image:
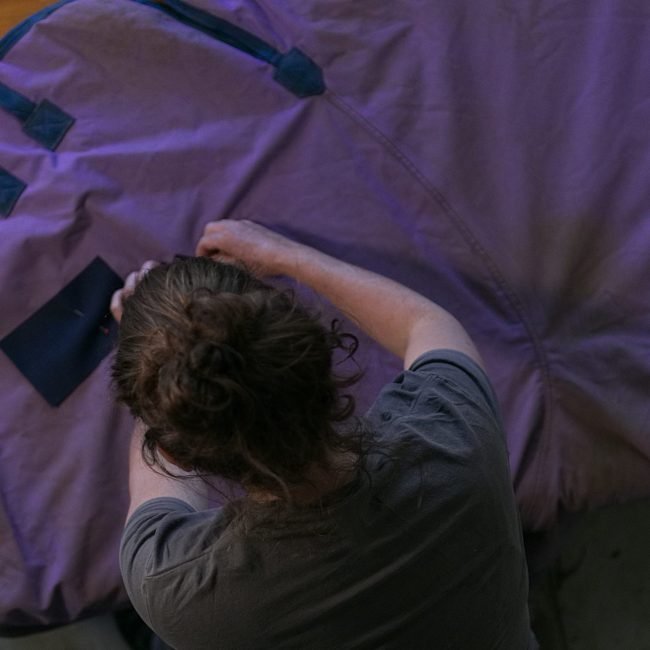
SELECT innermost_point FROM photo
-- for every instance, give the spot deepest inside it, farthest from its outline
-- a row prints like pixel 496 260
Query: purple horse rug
pixel 492 155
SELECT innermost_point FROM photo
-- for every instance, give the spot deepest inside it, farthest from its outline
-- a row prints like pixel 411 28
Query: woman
pixel 395 531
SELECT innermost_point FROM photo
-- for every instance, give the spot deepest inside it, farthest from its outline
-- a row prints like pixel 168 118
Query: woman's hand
pixel 262 251
pixel 130 284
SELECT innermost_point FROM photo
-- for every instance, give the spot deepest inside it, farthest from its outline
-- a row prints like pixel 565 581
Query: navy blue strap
pixel 10 190
pixel 15 103
pixel 224 31
pixel 299 74
pixel 44 122
pixel 294 70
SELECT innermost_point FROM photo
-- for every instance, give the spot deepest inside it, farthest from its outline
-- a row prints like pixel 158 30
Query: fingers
pixel 262 251
pixel 147 266
pixel 206 247
pixel 116 305
pixel 230 238
pixel 210 242
pixel 131 282
pixel 220 236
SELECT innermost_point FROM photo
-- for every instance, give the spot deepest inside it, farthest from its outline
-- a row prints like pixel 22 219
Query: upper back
pixel 422 550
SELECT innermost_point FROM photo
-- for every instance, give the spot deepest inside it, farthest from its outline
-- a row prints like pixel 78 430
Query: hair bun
pixel 207 357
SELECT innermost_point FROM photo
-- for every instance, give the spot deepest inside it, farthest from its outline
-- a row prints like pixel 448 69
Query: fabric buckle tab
pixel 44 122
pixel 10 190
pixel 299 74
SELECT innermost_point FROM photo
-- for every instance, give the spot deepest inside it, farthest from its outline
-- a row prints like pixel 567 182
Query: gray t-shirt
pixel 422 550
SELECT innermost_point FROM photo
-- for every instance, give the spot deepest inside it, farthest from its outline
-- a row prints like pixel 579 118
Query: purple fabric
pixel 491 155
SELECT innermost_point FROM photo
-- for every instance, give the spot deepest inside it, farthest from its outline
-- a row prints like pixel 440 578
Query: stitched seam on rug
pixel 466 233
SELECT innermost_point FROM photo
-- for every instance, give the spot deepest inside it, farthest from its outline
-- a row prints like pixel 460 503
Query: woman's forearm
pixel 398 318
pixel 403 321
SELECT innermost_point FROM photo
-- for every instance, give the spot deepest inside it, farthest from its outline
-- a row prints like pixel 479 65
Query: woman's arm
pixel 398 318
pixel 146 483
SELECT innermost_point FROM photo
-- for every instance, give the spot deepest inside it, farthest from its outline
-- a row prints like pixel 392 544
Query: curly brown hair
pixel 231 376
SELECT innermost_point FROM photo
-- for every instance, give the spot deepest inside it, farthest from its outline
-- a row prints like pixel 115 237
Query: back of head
pixel 231 376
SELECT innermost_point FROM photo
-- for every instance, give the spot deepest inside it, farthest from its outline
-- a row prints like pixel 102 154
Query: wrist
pixel 294 261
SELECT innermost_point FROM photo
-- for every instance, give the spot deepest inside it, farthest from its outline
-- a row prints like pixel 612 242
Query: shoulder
pixel 443 410
pixel 448 375
pixel 164 536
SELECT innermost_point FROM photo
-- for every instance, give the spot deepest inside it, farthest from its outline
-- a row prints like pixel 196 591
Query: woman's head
pixel 231 376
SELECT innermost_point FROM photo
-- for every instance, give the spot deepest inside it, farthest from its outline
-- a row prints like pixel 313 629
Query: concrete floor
pixel 590 589
pixel 99 633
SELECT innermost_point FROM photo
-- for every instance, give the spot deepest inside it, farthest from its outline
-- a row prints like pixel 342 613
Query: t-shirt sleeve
pixel 152 539
pixel 462 375
pixel 453 374
pixel 445 398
